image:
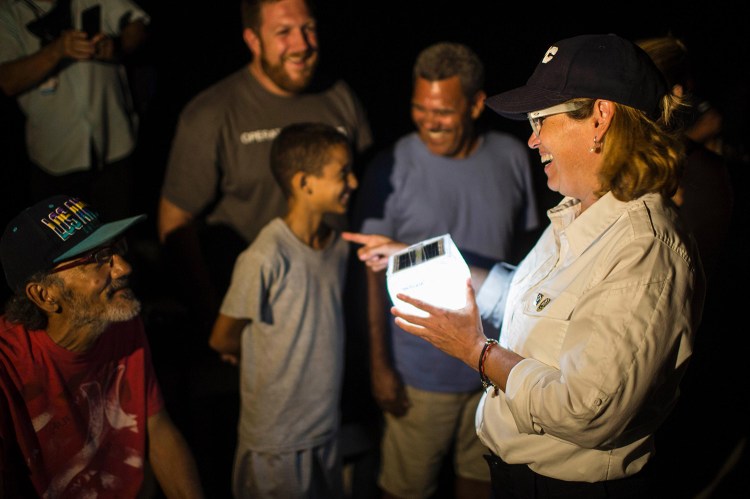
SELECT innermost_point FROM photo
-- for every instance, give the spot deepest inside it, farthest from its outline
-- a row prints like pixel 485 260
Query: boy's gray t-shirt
pixel 292 351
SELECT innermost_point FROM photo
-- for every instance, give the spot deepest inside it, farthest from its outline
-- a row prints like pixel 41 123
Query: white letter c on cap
pixel 549 55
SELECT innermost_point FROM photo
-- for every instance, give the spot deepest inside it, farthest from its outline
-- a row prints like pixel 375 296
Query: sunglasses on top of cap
pixel 103 255
pixel 536 118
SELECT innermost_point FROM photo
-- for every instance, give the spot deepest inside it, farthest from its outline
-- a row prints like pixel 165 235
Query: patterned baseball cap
pixel 51 231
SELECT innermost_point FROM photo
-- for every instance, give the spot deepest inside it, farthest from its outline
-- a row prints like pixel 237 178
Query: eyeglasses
pixel 537 117
pixel 101 256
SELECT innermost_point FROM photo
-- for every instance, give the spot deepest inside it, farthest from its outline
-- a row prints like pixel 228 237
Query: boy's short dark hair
pixel 303 147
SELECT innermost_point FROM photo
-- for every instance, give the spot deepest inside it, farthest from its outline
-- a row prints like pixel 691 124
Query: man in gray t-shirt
pixel 218 172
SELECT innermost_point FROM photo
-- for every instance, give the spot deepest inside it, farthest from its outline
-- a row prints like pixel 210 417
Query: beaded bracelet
pixel 486 382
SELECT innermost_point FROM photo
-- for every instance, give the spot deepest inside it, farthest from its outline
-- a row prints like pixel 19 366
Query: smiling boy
pixel 283 316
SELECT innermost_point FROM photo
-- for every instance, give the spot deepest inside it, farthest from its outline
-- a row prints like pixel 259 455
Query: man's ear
pixel 252 41
pixel 42 296
pixel 477 104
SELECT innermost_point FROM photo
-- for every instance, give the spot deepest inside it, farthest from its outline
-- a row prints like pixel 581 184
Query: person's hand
pixel 376 248
pixel 230 359
pixel 104 47
pixel 388 391
pixel 458 333
pixel 74 44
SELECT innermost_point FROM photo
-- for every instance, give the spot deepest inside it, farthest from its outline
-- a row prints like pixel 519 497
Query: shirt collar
pixel 582 229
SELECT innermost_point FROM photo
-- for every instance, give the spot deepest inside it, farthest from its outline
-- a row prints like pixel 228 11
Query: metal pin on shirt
pixel 540 302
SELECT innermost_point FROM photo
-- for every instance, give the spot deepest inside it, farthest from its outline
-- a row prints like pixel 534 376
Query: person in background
pixel 81 411
pixel 218 191
pixel 705 199
pixel 705 179
pixel 449 176
pixel 64 60
pixel 599 319
pixel 702 121
pixel 282 320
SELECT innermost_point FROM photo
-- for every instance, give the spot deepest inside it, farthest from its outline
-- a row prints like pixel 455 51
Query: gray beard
pixel 81 315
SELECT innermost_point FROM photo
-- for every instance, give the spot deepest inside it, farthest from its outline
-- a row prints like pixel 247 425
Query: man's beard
pixel 87 312
pixel 281 78
pixel 121 312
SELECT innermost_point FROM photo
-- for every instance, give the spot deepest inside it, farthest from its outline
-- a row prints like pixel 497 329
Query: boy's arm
pixel 387 387
pixel 226 335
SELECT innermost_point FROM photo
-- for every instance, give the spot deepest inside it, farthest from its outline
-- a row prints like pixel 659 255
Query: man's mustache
pixel 119 285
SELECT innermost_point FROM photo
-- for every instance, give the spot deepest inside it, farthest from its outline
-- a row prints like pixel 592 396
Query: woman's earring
pixel 596 147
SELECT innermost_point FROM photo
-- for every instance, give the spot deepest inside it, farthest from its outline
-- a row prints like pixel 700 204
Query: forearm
pixel 497 364
pixel 22 74
pixel 226 335
pixel 387 387
pixel 171 460
pixel 377 320
pixel 170 218
pixel 225 345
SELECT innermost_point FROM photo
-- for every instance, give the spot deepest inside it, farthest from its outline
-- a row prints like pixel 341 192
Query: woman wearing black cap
pixel 598 320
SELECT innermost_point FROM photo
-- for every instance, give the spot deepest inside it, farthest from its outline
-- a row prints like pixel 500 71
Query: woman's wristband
pixel 486 382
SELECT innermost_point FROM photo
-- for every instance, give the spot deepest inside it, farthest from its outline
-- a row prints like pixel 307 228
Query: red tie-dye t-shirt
pixel 79 419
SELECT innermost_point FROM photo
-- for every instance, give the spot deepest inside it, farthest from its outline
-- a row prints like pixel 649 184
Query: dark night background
pixel 372 45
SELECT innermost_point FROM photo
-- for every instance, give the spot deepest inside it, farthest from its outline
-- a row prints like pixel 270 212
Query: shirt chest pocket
pixel 546 316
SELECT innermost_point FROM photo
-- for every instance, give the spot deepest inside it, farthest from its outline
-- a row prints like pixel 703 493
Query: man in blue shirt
pixel 446 177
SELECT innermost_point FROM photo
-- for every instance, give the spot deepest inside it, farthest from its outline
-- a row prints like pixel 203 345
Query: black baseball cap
pixel 593 66
pixel 53 230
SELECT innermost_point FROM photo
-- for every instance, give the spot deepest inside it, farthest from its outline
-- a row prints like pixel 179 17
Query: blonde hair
pixel 670 55
pixel 640 155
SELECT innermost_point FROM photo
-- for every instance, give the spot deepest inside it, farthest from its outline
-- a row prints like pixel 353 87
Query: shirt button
pixel 598 402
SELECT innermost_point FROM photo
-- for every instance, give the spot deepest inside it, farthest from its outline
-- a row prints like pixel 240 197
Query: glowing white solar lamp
pixel 432 271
